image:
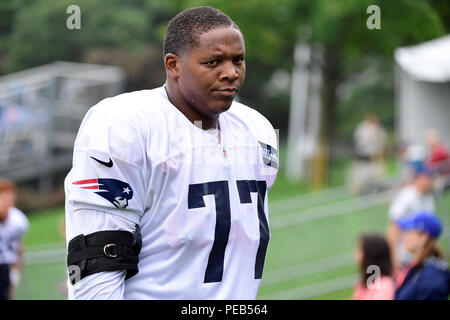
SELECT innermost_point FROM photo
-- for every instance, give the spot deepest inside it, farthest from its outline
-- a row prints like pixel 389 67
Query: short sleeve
pixel 109 164
pixel 22 223
pixel 399 208
pixel 268 144
pixel 273 160
pixel 17 224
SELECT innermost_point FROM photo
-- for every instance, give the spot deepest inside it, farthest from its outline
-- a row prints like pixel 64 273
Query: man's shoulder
pixel 17 212
pixel 408 192
pixel 253 119
pixel 127 112
pixel 17 217
pixel 402 202
pixel 411 195
pixel 122 119
pixel 247 119
pixel 131 102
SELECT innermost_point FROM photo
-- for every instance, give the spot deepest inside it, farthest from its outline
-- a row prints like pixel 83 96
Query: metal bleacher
pixel 40 113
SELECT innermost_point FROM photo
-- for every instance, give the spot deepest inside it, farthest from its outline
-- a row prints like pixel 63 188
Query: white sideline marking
pixel 306 269
pixel 308 199
pixel 45 257
pixel 330 210
pixel 314 290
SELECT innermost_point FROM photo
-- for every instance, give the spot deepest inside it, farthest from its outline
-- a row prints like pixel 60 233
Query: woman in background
pixel 427 277
pixel 374 260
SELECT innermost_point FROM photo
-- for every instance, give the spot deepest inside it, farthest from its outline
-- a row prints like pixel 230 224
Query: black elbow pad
pixel 104 251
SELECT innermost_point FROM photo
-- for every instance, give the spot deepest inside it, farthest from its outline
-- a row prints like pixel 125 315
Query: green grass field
pixel 309 255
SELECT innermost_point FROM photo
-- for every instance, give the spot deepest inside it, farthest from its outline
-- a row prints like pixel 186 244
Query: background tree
pixel 358 68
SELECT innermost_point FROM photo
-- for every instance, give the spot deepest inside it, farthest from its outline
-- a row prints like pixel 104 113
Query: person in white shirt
pixel 370 138
pixel 367 171
pixel 167 196
pixel 413 198
pixel 13 227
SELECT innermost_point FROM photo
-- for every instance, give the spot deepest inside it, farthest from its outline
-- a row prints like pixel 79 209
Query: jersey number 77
pixel 214 269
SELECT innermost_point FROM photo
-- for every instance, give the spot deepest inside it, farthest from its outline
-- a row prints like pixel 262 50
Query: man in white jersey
pixel 167 197
pixel 13 226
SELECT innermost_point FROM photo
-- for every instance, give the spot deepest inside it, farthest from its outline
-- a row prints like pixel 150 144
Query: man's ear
pixel 172 63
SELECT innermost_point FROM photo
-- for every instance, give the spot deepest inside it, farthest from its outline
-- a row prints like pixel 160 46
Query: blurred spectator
pixel 416 155
pixel 438 153
pixel 373 250
pixel 4 267
pixel 439 160
pixel 412 156
pixel 13 226
pixel 427 277
pixel 414 197
pixel 370 141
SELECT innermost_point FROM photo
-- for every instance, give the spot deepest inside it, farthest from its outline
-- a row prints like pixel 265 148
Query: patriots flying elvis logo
pixel 115 191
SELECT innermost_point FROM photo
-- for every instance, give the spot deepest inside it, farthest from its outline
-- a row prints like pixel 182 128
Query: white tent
pixel 423 90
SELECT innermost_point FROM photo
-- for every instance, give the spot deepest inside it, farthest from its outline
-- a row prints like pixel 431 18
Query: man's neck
pixel 419 189
pixel 189 112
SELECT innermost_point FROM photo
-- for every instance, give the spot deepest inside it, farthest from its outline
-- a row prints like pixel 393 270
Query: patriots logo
pixel 115 191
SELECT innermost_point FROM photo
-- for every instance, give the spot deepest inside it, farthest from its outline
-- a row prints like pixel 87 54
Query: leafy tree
pixel 271 29
pixel 40 34
pixel 33 32
pixel 350 46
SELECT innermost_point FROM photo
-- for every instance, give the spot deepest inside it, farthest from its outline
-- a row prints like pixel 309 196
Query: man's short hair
pixel 6 185
pixel 185 28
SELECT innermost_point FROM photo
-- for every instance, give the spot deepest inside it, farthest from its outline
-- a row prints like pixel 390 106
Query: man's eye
pixel 211 63
pixel 238 60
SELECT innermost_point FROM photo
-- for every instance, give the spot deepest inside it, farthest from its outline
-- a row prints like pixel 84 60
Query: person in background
pixel 411 156
pixel 4 267
pixel 373 251
pixel 370 141
pixel 439 160
pixel 414 197
pixel 13 226
pixel 438 153
pixel 428 276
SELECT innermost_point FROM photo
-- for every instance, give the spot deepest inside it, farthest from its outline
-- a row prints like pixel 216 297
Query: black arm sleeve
pixel 104 251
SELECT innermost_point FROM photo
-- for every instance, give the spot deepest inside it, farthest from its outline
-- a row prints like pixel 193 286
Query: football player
pixel 167 197
pixel 13 227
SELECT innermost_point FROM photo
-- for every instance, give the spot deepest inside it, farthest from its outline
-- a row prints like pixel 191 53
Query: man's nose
pixel 229 72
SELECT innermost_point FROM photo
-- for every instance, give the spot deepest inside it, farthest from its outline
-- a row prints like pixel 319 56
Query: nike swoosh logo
pixel 108 164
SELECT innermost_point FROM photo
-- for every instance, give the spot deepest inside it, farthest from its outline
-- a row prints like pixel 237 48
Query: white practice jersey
pixel 12 232
pixel 201 205
pixel 410 201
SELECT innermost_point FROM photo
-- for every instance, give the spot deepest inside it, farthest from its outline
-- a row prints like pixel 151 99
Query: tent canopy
pixel 428 61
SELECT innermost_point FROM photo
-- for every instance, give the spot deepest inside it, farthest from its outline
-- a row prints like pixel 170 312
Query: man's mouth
pixel 228 91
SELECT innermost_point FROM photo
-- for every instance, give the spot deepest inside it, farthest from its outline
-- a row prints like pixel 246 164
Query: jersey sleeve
pixel 19 224
pixel 399 208
pixel 268 143
pixel 109 164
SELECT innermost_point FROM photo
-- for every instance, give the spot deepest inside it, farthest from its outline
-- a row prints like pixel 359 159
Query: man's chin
pixel 222 105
